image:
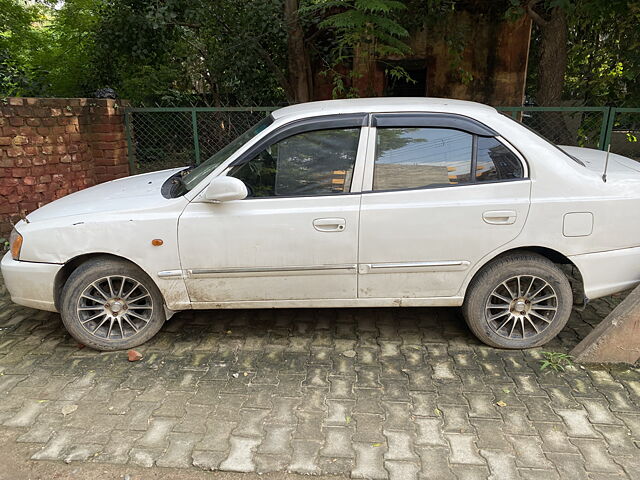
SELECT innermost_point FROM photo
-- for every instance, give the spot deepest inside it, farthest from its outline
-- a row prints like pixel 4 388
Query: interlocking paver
pixel 401 470
pixel 464 449
pixel 501 465
pixel 337 442
pixel 305 454
pixel 279 390
pixel 528 451
pixel 595 455
pixel 369 462
pixel 240 458
pixel 399 444
pixel 578 423
pixel 434 463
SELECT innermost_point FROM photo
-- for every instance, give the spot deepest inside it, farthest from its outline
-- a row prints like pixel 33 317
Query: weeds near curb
pixel 556 361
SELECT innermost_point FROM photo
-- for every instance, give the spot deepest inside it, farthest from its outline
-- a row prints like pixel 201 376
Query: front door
pixel 295 237
pixel 439 194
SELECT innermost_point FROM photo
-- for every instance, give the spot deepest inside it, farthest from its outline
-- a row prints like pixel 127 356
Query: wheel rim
pixel 115 308
pixel 521 307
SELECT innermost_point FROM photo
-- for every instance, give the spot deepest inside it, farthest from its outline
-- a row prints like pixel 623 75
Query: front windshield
pixel 193 176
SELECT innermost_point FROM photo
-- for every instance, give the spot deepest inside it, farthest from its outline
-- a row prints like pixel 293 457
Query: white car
pixel 382 202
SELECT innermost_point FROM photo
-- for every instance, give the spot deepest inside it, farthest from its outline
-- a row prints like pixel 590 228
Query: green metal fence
pixel 160 138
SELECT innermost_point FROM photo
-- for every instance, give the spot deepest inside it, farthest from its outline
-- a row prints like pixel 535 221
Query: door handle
pixel 329 224
pixel 500 217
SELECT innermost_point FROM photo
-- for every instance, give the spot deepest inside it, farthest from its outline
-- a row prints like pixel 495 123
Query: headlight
pixel 15 244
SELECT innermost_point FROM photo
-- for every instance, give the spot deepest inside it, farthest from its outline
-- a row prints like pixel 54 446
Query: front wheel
pixel 109 304
pixel 518 301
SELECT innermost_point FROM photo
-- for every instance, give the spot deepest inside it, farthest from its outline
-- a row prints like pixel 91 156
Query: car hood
pixel 596 159
pixel 129 193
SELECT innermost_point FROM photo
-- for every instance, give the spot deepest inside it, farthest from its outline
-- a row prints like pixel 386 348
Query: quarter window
pixel 312 163
pixel 421 157
pixel 496 162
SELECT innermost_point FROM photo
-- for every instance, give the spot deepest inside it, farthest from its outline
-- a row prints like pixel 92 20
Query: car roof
pixel 383 104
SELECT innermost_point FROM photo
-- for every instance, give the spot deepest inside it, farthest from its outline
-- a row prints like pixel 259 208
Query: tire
pixel 115 298
pixel 518 324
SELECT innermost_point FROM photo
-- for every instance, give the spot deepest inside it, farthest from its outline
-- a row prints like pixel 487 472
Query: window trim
pixel 311 124
pixel 371 153
pixel 324 122
pixel 432 120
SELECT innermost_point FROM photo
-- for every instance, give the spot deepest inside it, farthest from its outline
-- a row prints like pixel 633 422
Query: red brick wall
pixel 50 147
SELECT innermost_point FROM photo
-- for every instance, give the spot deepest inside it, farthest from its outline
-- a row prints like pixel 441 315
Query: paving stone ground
pixel 281 391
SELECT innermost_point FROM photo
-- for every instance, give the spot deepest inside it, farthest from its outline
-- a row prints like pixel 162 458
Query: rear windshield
pixel 542 137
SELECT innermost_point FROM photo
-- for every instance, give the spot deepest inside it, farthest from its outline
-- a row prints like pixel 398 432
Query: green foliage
pixel 368 29
pixel 230 52
pixel 604 53
pixel 556 361
pixel 19 73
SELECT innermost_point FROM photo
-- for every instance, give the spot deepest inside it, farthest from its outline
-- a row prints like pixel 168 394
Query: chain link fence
pixel 161 138
pixel 624 133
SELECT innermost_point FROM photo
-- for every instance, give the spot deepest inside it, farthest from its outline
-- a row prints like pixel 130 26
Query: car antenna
pixel 606 165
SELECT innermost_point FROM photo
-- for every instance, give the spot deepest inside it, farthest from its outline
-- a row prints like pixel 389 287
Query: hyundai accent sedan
pixel 344 203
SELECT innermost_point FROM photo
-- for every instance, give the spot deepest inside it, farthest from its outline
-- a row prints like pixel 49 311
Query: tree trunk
pixel 552 67
pixel 553 59
pixel 299 74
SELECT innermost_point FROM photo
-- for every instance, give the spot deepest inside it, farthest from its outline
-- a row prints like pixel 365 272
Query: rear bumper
pixel 30 283
pixel 605 273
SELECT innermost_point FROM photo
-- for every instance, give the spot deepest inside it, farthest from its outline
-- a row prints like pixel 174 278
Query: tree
pixel 550 16
pixel 19 75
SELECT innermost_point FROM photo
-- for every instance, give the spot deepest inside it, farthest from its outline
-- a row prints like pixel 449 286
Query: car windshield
pixel 194 176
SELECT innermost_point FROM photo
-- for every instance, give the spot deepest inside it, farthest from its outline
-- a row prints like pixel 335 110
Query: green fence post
pixel 196 140
pixel 604 128
pixel 130 154
pixel 610 123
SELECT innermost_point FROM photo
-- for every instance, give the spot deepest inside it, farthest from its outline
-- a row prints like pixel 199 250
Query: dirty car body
pixel 347 203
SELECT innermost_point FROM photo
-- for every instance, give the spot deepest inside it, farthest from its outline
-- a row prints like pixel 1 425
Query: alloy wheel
pixel 114 307
pixel 521 307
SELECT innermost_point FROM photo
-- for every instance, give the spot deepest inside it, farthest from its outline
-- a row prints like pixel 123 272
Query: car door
pixel 440 192
pixel 295 236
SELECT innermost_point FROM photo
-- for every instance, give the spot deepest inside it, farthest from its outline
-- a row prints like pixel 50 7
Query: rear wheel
pixel 109 304
pixel 518 301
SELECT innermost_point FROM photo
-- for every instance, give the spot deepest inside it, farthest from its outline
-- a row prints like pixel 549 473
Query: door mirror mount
pixel 225 189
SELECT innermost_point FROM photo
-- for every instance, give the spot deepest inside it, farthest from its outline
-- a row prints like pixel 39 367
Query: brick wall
pixel 50 147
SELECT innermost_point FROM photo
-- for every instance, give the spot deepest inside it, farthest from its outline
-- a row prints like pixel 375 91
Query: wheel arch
pixel 72 264
pixel 569 268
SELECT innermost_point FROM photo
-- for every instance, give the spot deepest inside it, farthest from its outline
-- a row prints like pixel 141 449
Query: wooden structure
pixel 617 338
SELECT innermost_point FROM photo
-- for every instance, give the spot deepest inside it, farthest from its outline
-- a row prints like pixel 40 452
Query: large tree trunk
pixel 552 67
pixel 299 72
pixel 553 59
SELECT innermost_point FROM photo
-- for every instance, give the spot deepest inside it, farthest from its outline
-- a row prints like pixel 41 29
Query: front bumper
pixel 30 283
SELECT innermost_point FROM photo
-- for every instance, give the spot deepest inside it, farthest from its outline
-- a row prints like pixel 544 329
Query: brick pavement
pixel 370 393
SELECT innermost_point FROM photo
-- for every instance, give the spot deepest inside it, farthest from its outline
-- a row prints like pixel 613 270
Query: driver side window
pixel 307 164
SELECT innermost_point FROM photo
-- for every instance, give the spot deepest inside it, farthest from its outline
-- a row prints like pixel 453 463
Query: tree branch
pixel 535 15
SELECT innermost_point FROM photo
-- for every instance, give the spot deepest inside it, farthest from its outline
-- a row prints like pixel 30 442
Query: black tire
pixel 498 281
pixel 149 310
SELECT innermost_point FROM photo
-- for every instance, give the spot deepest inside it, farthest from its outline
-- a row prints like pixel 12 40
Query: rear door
pixel 440 192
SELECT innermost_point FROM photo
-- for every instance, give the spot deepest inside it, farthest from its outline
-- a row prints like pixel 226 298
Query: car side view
pixel 385 202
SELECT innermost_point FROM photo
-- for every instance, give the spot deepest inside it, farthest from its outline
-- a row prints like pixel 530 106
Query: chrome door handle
pixel 329 224
pixel 500 217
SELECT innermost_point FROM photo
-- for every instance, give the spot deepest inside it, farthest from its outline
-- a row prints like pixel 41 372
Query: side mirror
pixel 224 189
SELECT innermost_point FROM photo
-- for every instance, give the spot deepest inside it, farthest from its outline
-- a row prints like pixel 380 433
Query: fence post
pixel 606 114
pixel 610 123
pixel 130 154
pixel 196 140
